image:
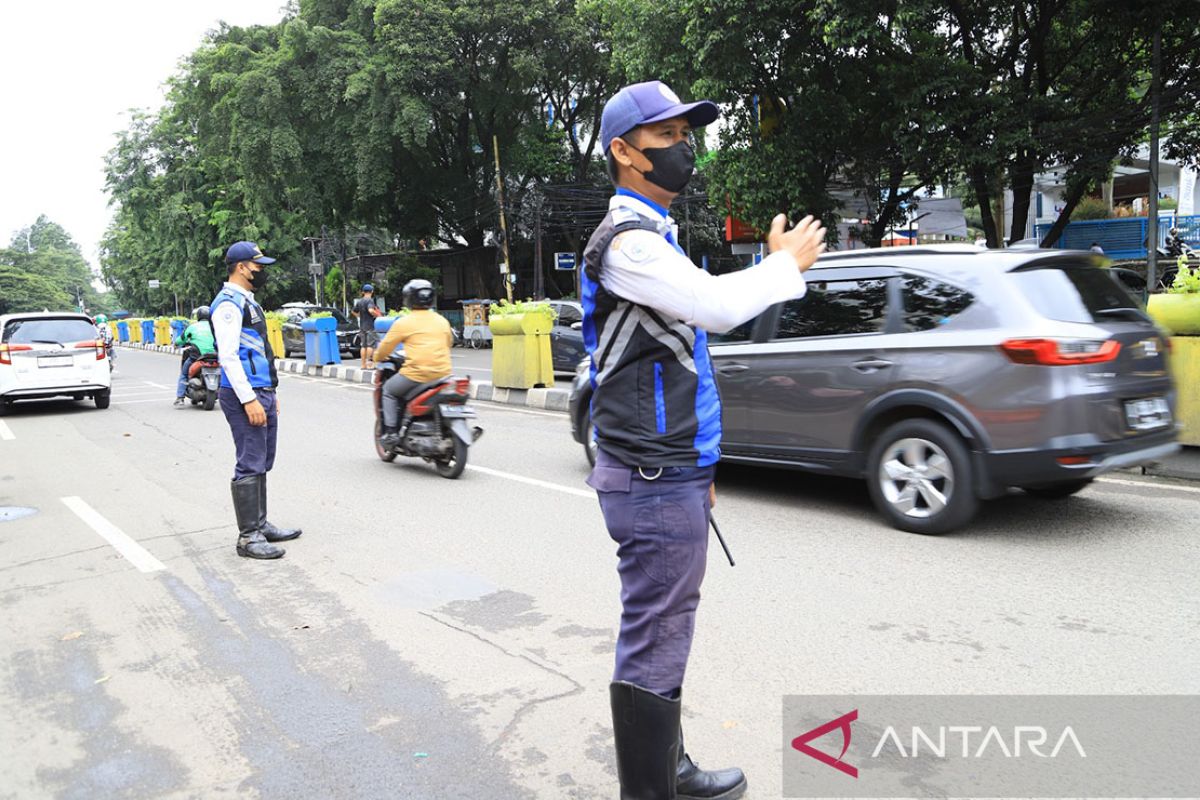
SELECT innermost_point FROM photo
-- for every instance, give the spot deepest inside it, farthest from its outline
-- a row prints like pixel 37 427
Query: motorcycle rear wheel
pixel 210 400
pixel 453 466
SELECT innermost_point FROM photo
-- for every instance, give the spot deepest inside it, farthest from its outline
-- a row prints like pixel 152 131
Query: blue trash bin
pixel 123 331
pixel 147 331
pixel 384 324
pixel 320 341
pixel 178 326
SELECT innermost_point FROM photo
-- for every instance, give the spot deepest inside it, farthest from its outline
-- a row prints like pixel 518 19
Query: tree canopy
pixel 353 126
pixel 43 269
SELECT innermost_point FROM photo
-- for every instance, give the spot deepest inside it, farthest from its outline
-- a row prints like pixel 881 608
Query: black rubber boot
pixel 389 438
pixel 693 783
pixel 646 730
pixel 269 531
pixel 247 505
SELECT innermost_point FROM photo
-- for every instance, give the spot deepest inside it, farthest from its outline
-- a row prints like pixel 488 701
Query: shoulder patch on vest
pixel 228 313
pixel 636 248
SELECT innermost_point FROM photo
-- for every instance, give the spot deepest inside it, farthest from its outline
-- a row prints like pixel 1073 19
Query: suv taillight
pixel 1061 352
pixel 97 344
pixel 6 349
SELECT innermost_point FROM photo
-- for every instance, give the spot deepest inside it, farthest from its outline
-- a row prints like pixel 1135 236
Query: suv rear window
pixel 41 330
pixel 929 303
pixel 1073 293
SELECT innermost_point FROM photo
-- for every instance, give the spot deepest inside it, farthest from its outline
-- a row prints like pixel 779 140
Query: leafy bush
pixel 320 314
pixel 1187 281
pixel 398 312
pixel 278 316
pixel 506 309
pixel 1091 208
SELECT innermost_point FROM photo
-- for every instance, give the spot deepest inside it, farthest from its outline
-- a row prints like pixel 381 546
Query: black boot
pixel 389 438
pixel 693 783
pixel 646 729
pixel 270 532
pixel 247 506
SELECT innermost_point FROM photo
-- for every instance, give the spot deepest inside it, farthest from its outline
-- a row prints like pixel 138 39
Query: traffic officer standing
pixel 247 395
pixel 657 415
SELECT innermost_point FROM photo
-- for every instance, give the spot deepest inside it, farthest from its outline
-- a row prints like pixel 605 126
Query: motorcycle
pixel 204 378
pixel 434 424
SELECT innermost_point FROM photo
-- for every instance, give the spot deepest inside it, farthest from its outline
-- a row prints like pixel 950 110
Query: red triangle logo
pixel 843 722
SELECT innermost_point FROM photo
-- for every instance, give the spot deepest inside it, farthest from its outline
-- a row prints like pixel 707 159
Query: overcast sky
pixel 69 72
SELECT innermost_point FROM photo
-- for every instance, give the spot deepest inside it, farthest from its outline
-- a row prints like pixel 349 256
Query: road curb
pixel 484 391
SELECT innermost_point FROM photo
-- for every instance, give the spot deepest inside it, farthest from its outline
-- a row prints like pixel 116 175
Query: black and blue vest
pixel 254 349
pixel 655 401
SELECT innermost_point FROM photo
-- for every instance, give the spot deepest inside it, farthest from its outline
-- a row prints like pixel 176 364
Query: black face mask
pixel 672 167
pixel 258 278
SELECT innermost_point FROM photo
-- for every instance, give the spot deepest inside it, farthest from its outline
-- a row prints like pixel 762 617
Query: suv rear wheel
pixel 920 478
pixel 102 399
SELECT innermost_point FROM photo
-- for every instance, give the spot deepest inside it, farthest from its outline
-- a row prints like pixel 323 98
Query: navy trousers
pixel 660 524
pixel 255 447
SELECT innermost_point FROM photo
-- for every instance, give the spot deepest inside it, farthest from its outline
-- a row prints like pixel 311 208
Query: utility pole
pixel 504 265
pixel 539 289
pixel 1152 227
pixel 687 228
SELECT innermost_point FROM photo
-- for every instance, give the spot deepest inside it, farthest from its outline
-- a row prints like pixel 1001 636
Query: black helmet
pixel 418 293
pixel 203 313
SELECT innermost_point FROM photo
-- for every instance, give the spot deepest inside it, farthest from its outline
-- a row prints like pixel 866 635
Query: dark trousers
pixel 255 446
pixel 661 530
pixel 394 391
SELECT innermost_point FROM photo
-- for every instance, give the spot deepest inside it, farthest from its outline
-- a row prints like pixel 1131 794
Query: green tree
pixel 42 268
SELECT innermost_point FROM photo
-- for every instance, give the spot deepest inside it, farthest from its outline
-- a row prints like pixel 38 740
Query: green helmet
pixel 101 318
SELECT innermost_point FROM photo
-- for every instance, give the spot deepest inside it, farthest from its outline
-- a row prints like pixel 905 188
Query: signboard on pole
pixel 564 262
pixel 154 284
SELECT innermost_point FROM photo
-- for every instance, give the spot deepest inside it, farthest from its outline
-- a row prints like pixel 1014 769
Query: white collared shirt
pixel 227 330
pixel 644 268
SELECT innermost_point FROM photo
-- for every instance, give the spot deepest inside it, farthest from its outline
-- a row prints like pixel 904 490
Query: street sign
pixel 314 270
pixel 153 284
pixel 564 262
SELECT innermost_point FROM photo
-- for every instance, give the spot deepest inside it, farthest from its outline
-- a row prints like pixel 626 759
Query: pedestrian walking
pixel 366 310
pixel 657 415
pixel 247 396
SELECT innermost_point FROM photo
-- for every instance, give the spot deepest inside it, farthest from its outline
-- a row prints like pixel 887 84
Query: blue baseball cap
pixel 652 101
pixel 246 251
pixel 368 287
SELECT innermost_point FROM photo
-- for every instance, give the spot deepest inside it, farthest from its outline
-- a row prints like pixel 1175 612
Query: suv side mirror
pixel 576 326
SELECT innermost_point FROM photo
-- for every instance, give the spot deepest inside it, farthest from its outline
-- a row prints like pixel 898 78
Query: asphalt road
pixel 428 638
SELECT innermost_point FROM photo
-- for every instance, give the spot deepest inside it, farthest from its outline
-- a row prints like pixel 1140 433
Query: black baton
pixel 712 521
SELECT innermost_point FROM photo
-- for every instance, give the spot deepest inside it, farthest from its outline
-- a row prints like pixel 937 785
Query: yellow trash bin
pixel 1185 369
pixel 135 330
pixel 521 350
pixel 162 331
pixel 275 335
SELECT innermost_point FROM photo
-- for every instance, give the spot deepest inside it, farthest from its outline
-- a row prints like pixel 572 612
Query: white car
pixel 52 354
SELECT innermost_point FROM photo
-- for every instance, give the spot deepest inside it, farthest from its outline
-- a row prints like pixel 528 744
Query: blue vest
pixel 253 348
pixel 655 401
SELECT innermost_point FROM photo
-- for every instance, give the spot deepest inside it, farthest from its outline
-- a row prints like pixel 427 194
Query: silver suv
pixel 945 375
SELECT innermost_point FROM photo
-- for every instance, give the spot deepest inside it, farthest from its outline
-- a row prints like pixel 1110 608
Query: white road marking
pixel 121 541
pixel 1149 485
pixel 157 385
pixel 558 487
pixel 5 432
pixel 167 399
pixel 490 406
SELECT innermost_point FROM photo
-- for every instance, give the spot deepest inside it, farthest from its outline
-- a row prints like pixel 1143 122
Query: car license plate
pixel 1147 413
pixel 49 362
